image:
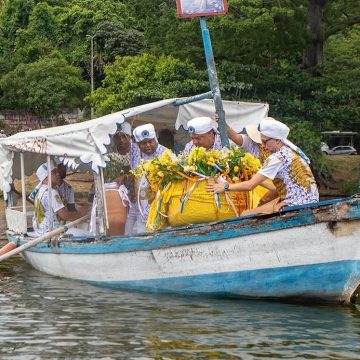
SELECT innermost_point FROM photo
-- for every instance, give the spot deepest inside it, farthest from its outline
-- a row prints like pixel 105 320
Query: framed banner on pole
pixel 193 8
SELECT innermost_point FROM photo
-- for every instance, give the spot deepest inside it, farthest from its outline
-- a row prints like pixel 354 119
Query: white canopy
pixel 86 143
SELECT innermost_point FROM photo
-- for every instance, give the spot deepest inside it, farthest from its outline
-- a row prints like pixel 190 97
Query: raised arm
pixel 232 134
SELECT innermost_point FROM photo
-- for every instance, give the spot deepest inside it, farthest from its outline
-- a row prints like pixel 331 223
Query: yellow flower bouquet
pixel 179 187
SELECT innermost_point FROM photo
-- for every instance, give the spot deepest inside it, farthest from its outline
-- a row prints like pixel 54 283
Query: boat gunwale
pixel 330 211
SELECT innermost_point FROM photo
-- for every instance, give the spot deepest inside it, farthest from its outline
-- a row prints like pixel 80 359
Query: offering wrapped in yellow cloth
pixel 179 184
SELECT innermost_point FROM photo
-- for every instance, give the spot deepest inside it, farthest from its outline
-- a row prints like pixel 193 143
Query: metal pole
pixel 92 73
pixel 191 99
pixel 51 216
pixel 91 70
pixel 214 85
pixel 23 189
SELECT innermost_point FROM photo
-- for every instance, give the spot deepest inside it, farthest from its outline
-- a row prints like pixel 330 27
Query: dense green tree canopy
pixel 44 87
pixel 265 51
pixel 133 80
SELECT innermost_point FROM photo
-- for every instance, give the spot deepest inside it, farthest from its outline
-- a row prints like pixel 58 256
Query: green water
pixel 42 317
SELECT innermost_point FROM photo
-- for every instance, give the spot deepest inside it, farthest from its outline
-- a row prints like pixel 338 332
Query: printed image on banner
pixel 192 8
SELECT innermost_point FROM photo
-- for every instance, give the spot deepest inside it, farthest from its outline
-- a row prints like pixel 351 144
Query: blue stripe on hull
pixel 328 282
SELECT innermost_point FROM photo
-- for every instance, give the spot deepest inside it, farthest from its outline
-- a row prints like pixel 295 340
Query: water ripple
pixel 45 317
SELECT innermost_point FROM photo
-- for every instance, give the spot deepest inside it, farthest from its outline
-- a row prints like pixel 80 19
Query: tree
pixel 325 19
pixel 115 40
pixel 45 87
pixel 133 80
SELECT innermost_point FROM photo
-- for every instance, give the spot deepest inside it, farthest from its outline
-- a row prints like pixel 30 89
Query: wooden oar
pixel 46 236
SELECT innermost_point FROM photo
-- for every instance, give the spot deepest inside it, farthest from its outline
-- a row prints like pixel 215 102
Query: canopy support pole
pixel 51 220
pixel 194 98
pixel 23 189
pixel 100 208
pixel 104 198
pixel 214 85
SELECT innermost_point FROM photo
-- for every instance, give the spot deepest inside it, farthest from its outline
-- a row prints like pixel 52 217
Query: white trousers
pixel 135 223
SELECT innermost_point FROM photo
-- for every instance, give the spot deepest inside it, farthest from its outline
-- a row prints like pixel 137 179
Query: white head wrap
pixel 125 128
pixel 144 132
pixel 42 171
pixel 275 129
pixel 201 125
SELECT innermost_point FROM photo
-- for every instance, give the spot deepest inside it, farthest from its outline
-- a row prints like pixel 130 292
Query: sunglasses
pixel 264 142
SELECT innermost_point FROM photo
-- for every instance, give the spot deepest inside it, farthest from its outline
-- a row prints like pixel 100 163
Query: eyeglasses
pixel 264 142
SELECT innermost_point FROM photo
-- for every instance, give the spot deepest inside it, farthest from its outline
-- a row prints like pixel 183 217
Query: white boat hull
pixel 304 262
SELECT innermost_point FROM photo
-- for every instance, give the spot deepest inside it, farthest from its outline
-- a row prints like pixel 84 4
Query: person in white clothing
pixel 287 166
pixel 146 140
pixel 47 217
pixel 204 133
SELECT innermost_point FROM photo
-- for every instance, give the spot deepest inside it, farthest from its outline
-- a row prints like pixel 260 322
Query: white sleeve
pixel 271 166
pixel 188 147
pixel 56 204
pixel 246 143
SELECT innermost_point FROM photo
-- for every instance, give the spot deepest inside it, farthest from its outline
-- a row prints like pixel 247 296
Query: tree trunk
pixel 313 53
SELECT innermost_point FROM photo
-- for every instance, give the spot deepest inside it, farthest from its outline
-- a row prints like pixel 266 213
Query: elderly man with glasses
pixel 287 166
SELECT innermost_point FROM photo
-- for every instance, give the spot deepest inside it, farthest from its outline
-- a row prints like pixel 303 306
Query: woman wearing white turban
pixel 287 166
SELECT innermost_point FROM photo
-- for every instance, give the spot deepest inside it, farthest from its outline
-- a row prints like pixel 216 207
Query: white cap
pixel 42 171
pixel 201 125
pixel 277 130
pixel 125 128
pixel 144 132
pixel 273 129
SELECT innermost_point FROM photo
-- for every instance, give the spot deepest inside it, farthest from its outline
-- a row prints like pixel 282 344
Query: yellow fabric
pixel 200 206
pixel 256 195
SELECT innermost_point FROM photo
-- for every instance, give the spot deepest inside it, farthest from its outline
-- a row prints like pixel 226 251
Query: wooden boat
pixel 309 252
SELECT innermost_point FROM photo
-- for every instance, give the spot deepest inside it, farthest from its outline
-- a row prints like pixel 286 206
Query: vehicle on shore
pixel 340 150
pixel 304 253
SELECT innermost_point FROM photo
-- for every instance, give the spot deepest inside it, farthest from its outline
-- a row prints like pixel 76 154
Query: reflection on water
pixel 46 317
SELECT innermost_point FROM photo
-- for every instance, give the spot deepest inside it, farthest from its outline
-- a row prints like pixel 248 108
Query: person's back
pixel 45 216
